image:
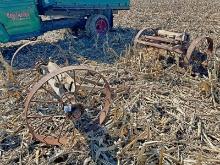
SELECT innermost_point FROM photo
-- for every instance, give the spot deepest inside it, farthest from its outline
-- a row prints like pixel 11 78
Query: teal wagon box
pixel 24 19
pixel 90 4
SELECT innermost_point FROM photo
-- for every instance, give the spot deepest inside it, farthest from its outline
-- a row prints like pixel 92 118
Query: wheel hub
pixel 73 112
pixel 101 26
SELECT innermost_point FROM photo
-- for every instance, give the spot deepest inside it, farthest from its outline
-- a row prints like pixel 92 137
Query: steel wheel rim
pixel 30 45
pixel 51 140
pixel 195 43
pixel 199 55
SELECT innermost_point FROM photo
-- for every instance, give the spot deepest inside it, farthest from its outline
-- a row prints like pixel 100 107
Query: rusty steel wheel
pixel 27 55
pixel 199 53
pixel 61 99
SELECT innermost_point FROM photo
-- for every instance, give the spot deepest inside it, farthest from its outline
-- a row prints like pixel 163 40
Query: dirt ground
pixel 159 114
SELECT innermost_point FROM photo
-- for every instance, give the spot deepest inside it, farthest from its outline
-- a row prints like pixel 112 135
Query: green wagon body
pixel 18 17
pixel 88 4
pixel 22 18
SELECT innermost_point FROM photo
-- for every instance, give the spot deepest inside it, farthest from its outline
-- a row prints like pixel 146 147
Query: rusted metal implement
pixel 36 50
pixel 198 51
pixel 62 98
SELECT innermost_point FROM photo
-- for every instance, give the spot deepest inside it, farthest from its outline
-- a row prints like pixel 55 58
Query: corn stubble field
pixel 158 115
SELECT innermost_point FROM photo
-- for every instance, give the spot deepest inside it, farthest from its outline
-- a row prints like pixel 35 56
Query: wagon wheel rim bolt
pixel 101 26
pixel 50 115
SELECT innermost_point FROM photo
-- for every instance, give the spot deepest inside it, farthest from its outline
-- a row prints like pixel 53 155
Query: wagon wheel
pixel 139 38
pixel 54 106
pixel 30 53
pixel 97 25
pixel 199 54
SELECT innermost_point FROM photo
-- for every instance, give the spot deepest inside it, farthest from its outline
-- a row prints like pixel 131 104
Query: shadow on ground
pixel 106 49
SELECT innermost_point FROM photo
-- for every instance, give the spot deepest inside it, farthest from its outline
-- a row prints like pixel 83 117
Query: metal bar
pixel 156 38
pixel 172 49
